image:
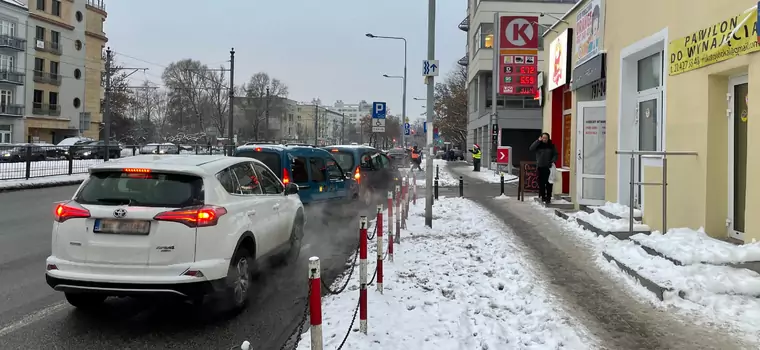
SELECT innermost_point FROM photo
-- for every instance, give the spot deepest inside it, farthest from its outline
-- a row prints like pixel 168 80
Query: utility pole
pixel 266 121
pixel 343 129
pixel 316 123
pixel 429 111
pixel 230 133
pixel 107 105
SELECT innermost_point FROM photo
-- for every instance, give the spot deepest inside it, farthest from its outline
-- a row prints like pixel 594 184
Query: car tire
pixel 85 301
pixel 240 279
pixel 294 244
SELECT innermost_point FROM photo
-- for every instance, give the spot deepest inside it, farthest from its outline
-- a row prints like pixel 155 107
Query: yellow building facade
pixel 95 44
pixel 679 79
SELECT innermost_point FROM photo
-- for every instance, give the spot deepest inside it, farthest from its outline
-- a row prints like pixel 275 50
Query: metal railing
pixel 637 155
pixel 12 109
pixel 12 42
pixel 11 75
pixel 46 109
pixel 47 78
pixel 99 4
pixel 49 46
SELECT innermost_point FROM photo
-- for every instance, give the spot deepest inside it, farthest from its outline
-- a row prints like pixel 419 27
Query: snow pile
pixel 606 224
pixel 445 178
pixel 693 247
pixel 620 210
pixel 489 176
pixel 40 182
pixel 466 284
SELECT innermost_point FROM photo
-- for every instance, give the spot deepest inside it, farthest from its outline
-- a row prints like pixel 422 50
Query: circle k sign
pixel 518 32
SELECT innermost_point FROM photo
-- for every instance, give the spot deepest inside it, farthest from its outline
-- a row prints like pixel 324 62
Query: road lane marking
pixel 33 317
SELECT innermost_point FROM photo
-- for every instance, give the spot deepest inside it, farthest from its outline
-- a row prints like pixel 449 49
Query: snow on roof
pixel 16 3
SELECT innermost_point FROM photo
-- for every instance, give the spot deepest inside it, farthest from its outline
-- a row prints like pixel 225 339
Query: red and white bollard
pixel 315 303
pixel 390 225
pixel 363 275
pixel 414 197
pixel 398 216
pixel 379 223
pixel 404 204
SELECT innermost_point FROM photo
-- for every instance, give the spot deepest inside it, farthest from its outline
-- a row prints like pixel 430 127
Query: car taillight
pixel 65 211
pixel 285 176
pixel 193 217
pixel 357 174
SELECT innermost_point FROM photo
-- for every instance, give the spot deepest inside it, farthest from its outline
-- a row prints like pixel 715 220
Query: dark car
pixel 319 177
pixel 400 157
pixel 371 168
pixel 97 150
pixel 19 153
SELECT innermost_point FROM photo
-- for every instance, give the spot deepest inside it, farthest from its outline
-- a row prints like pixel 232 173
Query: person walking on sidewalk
pixel 416 158
pixel 546 155
pixel 476 155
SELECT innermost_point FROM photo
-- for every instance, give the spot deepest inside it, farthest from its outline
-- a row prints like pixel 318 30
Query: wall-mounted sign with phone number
pixel 519 73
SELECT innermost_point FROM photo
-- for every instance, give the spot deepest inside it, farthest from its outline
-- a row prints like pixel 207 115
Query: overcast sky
pixel 318 48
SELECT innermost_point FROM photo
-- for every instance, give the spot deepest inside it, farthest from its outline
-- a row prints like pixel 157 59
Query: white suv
pixel 172 225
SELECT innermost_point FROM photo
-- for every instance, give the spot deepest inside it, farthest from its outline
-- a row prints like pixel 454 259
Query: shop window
pixel 650 72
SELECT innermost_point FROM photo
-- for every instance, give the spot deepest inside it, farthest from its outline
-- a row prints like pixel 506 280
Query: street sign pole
pixel 429 110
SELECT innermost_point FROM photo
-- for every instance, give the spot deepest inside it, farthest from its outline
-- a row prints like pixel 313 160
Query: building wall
pixel 694 115
pixel 17 16
pixel 43 124
pixel 95 44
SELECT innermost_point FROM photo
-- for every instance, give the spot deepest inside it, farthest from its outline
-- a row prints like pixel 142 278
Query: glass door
pixel 647 120
pixel 737 158
pixel 6 99
pixel 591 131
pixel 5 133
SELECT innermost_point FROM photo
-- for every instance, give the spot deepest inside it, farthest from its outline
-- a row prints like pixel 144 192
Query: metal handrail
pixel 633 183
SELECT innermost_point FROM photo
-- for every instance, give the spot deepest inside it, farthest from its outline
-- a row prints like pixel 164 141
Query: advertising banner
pixel 559 60
pixel 715 43
pixel 518 55
pixel 589 27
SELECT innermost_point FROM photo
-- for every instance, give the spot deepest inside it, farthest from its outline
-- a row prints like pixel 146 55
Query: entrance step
pixel 556 204
pixel 614 216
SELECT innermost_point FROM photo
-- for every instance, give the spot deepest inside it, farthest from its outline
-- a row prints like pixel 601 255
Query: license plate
pixel 129 227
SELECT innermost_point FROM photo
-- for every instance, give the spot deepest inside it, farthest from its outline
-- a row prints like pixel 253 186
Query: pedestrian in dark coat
pixel 546 156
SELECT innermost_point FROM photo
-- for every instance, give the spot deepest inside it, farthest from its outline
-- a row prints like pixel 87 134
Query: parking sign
pixel 378 110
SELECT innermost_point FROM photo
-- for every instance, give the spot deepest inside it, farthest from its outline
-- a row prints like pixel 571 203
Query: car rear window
pixel 270 159
pixel 142 189
pixel 345 160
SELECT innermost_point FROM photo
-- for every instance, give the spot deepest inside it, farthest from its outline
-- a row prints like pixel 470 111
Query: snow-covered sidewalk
pixel 722 296
pixel 445 178
pixel 489 176
pixel 39 182
pixel 465 284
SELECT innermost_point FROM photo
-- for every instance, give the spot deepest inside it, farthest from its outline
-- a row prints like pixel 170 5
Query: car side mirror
pixel 348 175
pixel 291 188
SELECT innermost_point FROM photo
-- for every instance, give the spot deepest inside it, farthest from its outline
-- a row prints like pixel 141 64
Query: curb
pixel 659 291
pixel 22 186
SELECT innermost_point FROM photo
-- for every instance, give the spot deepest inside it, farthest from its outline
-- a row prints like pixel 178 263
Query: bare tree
pixel 256 101
pixel 217 99
pixel 451 106
pixel 187 81
pixel 159 112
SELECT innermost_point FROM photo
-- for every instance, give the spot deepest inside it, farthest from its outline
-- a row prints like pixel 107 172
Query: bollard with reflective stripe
pixel 363 275
pixel 403 203
pixel 414 197
pixel 397 239
pixel 315 303
pixel 390 226
pixel 379 223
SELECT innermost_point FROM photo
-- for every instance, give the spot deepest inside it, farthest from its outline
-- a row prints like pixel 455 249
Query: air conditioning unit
pixel 40 44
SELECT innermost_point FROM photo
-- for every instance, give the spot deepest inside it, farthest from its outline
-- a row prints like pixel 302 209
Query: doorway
pixel 738 89
pixel 591 131
pixel 647 125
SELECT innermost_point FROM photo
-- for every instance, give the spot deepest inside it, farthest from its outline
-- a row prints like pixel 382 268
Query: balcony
pixel 12 110
pixel 465 24
pixel 98 4
pixel 46 109
pixel 11 76
pixel 48 46
pixel 47 78
pixel 464 61
pixel 12 42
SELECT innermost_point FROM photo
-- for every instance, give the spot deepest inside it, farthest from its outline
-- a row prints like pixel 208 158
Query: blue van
pixel 319 177
pixel 372 169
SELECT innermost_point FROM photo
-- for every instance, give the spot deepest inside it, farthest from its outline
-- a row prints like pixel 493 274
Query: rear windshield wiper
pixel 127 201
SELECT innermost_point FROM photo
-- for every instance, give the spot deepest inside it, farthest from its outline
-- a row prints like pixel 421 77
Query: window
pixel 8 28
pixel 56 8
pixel 77 74
pixel 77 102
pixel 6 63
pixel 227 180
pixel 79 16
pixel 541 30
pixel 78 45
pixel 650 72
pixel 40 33
pixel 6 133
pixel 300 174
pixel 367 162
pixel 248 182
pixel 334 171
pixel 38 98
pixel 317 167
pixel 55 38
pixel 485 36
pixel 345 160
pixel 54 67
pixel 146 190
pixel 381 161
pixel 269 182
pixel 53 99
pixel 41 5
pixel 39 65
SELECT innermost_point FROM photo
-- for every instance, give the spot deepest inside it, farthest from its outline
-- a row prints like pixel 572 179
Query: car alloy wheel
pixel 242 281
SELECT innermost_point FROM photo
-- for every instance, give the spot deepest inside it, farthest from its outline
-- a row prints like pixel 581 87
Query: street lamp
pixel 403 100
pixel 420 99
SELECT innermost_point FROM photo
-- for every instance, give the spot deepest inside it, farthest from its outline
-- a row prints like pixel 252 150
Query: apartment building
pixel 55 85
pixel 353 112
pixel 518 118
pixel 13 20
pixel 94 47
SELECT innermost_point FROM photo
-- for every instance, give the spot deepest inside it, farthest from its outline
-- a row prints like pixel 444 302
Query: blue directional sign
pixel 378 110
pixel 430 68
pixel 407 129
pixel 424 127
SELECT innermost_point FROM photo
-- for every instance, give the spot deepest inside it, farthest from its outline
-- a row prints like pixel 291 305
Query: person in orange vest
pixel 416 158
